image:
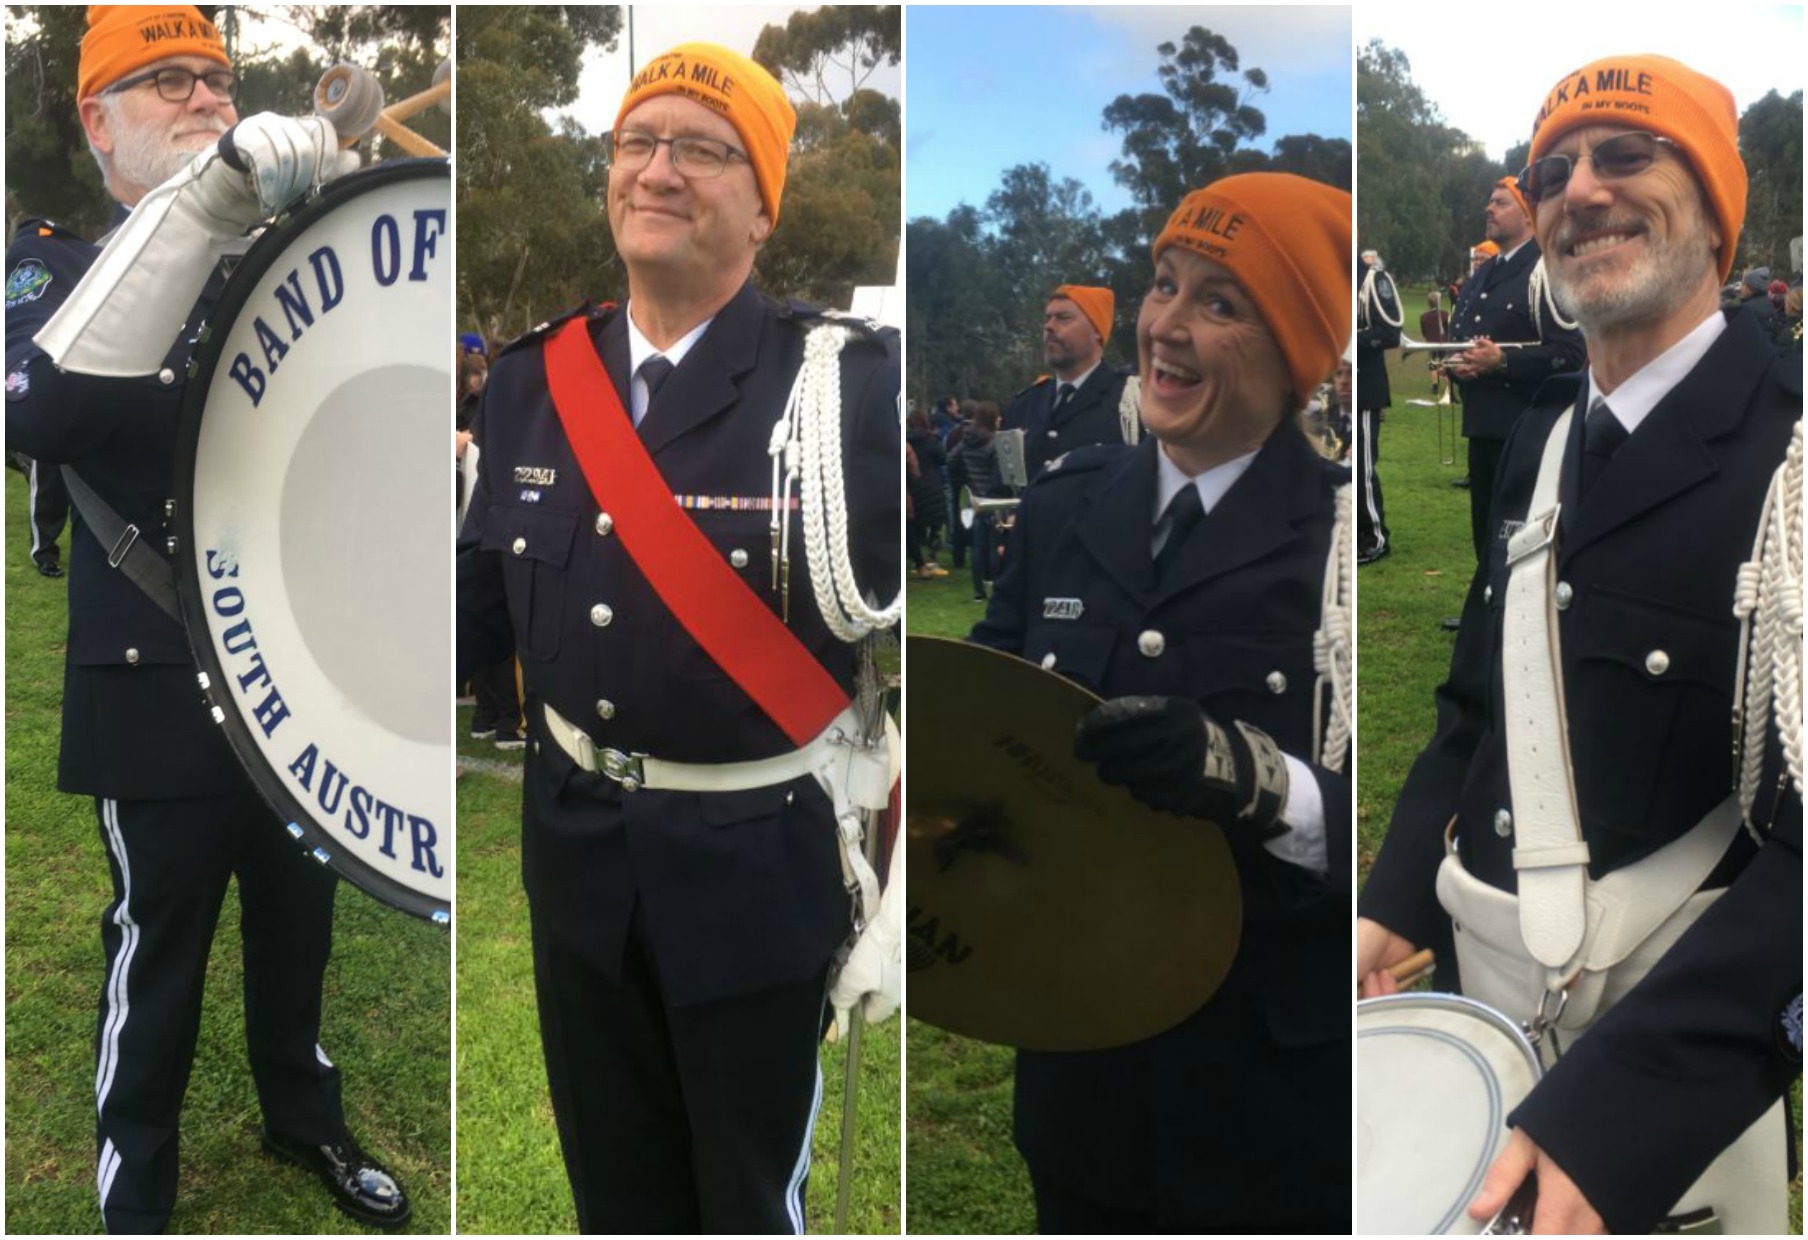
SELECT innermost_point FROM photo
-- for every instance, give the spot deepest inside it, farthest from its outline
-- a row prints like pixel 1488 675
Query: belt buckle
pixel 624 768
pixel 122 545
pixel 1536 535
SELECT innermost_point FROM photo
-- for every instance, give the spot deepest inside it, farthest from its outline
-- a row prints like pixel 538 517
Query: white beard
pixel 1666 274
pixel 148 156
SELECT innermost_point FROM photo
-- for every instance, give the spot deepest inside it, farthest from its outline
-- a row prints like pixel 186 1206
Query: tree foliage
pixel 49 171
pixel 820 53
pixel 532 236
pixel 1770 139
pixel 979 278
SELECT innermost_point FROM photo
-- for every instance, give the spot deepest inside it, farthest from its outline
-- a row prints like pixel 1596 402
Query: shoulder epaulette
pixel 591 309
pixel 1039 381
pixel 1081 461
pixel 808 312
pixel 35 227
pixel 1559 389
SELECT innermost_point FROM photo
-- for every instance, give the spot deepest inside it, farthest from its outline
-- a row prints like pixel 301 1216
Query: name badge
pixel 1062 608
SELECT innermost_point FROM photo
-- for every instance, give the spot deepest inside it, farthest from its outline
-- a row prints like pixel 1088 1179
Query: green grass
pixel 1402 654
pixel 965 1175
pixel 387 1020
pixel 510 1176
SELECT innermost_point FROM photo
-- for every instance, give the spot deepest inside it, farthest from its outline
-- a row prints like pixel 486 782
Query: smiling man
pixel 1077 404
pixel 682 838
pixel 1576 812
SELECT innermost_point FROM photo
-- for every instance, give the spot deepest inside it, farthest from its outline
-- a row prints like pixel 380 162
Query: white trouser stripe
pixel 320 1054
pixel 117 997
pixel 794 1205
pixel 1368 474
pixel 109 1167
pixel 36 543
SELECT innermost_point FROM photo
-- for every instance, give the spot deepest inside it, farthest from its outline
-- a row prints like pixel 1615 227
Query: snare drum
pixel 1436 1076
pixel 313 526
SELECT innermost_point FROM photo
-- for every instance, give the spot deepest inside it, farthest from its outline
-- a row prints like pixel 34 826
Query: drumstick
pixel 1414 968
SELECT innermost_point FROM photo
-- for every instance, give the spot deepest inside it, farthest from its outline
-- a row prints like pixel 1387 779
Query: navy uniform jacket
pixel 740 890
pixel 1244 1106
pixel 1639 1106
pixel 134 724
pixel 1090 417
pixel 1496 302
pixel 1374 337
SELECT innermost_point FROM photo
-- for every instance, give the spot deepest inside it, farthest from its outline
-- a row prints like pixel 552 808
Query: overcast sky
pixel 990 87
pixel 1488 73
pixel 658 27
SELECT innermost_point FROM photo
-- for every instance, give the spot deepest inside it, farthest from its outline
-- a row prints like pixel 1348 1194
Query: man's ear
pixel 97 122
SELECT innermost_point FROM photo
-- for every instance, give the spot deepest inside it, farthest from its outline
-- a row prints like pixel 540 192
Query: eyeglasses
pixel 695 159
pixel 177 85
pixel 1621 156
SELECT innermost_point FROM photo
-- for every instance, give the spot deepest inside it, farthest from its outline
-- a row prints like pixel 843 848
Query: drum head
pixel 314 515
pixel 1048 911
pixel 1436 1076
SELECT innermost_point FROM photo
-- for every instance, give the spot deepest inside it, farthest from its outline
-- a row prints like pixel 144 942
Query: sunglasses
pixel 1624 155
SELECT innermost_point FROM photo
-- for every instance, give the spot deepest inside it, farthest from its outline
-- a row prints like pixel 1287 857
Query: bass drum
pixel 1436 1076
pixel 313 517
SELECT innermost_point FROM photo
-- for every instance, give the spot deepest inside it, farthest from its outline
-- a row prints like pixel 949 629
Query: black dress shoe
pixel 1451 624
pixel 1461 484
pixel 359 1183
pixel 49 568
pixel 1374 553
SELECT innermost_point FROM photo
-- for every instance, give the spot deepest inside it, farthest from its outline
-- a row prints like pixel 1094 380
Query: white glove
pixel 121 318
pixel 874 973
pixel 284 156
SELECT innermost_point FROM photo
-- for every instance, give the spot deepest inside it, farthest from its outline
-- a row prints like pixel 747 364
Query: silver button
pixel 1487 594
pixel 1048 661
pixel 1566 594
pixel 1503 823
pixel 518 546
pixel 132 655
pixel 605 709
pixel 1478 318
pixel 738 558
pixel 1657 663
pixel 604 523
pixel 1277 682
pixel 1054 434
pixel 1484 297
pixel 1151 643
pixel 601 615
pixel 166 376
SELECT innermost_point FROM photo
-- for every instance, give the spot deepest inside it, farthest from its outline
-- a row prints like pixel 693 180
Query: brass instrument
pixel 972 505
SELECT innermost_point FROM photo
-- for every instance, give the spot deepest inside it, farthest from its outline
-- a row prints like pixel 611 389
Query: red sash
pixel 720 611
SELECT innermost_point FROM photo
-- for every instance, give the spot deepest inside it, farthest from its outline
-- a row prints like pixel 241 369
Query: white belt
pixel 634 771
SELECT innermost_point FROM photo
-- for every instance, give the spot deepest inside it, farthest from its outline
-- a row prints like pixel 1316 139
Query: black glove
pixel 1172 756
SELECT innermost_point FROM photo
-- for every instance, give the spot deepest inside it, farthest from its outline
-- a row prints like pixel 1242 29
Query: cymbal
pixel 1047 910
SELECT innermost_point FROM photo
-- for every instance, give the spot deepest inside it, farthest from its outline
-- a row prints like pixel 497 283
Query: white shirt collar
pixel 1635 398
pixel 1212 484
pixel 1077 380
pixel 1516 249
pixel 640 349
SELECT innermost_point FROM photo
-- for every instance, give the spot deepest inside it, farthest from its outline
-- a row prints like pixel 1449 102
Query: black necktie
pixel 1063 394
pixel 1602 436
pixel 1183 513
pixel 654 372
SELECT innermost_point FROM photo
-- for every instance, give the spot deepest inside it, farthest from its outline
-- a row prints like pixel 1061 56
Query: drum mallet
pixel 1414 968
pixel 352 99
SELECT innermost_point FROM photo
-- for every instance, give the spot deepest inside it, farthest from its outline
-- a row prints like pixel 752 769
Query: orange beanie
pixel 123 38
pixel 1097 304
pixel 1511 185
pixel 1665 97
pixel 741 91
pixel 1286 241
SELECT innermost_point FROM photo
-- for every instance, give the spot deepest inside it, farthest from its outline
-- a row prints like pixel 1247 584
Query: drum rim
pixel 258 260
pixel 1445 1001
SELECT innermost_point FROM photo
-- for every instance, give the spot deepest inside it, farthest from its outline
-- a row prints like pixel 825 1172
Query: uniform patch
pixel 530 496
pixel 1790 1028
pixel 27 282
pixel 18 383
pixel 1062 608
pixel 536 475
pixel 1508 529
